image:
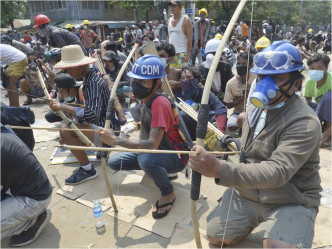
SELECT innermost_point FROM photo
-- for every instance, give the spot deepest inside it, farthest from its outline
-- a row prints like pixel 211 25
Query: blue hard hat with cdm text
pixel 148 67
pixel 278 58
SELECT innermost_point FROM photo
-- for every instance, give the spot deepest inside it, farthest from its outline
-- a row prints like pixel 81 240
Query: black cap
pixel 64 80
pixel 110 55
pixel 179 3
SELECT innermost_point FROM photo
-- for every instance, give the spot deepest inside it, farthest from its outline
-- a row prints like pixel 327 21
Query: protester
pixel 25 192
pixel 192 92
pixel 277 179
pixel 96 95
pixel 5 39
pixel 180 32
pixel 301 47
pixel 163 31
pixel 159 130
pixel 56 37
pixel 89 37
pixel 324 114
pixel 16 61
pixel 16 35
pixel 327 42
pixel 39 50
pixel 320 79
pixel 201 32
pixel 30 84
pixel 234 44
pixel 68 92
pixel 237 89
pixel 223 71
pixel 317 41
pixel 245 32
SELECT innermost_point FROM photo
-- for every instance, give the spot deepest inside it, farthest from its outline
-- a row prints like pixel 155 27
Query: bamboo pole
pixel 50 128
pixel 72 147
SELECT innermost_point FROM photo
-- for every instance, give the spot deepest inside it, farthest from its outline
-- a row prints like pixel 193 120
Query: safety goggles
pixel 278 60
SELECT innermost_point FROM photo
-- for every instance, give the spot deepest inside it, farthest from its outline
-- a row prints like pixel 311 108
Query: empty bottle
pixel 98 213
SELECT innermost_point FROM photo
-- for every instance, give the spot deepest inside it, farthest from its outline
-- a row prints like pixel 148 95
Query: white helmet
pixel 212 45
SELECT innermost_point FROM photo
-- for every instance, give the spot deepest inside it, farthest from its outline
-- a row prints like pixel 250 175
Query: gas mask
pixel 265 91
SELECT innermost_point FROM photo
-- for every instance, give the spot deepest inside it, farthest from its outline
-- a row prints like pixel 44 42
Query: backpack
pixel 268 29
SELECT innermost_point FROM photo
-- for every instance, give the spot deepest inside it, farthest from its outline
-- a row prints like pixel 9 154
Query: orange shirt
pixel 245 30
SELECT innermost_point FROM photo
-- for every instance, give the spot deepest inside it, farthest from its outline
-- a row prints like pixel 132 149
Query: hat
pixel 64 80
pixel 38 43
pixel 73 56
pixel 33 41
pixel 109 55
pixel 233 38
pixel 179 3
pixel 320 32
pixel 5 39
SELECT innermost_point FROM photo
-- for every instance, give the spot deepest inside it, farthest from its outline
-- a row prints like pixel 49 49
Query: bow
pixel 80 135
pixel 203 117
pixel 109 113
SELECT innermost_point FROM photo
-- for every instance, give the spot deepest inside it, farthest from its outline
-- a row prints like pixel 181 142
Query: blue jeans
pixel 154 165
pixel 92 49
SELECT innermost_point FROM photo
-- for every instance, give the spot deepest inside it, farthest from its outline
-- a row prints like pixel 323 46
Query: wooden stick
pixel 72 147
pixel 50 128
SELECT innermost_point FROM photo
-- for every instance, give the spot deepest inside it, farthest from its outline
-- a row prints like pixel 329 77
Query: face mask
pixel 70 99
pixel 241 70
pixel 316 75
pixel 281 104
pixel 85 27
pixel 112 69
pixel 202 17
pixel 141 92
pixel 241 23
pixel 164 61
pixel 265 91
pixel 148 28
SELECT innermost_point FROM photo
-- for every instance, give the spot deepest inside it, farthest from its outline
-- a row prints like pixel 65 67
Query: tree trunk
pixel 136 15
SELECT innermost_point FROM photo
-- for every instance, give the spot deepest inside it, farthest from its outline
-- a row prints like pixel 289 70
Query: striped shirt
pixel 96 94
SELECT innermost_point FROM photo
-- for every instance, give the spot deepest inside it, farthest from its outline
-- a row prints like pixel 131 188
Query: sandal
pixel 157 215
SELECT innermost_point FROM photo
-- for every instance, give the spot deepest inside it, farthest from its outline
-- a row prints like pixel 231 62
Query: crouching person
pixel 25 192
pixel 159 130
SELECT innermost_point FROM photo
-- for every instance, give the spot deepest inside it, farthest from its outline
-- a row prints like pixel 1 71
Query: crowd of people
pixel 258 77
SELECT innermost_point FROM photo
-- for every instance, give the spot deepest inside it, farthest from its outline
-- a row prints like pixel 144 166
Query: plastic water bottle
pixel 98 213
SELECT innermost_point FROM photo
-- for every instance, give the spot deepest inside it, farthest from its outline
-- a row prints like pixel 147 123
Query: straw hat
pixel 73 56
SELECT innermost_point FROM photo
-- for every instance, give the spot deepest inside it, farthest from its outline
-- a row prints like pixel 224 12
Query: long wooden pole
pixel 109 113
pixel 50 128
pixel 203 120
pixel 72 147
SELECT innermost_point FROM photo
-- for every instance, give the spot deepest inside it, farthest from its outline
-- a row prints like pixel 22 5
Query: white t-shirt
pixel 216 82
pixel 239 30
pixel 9 54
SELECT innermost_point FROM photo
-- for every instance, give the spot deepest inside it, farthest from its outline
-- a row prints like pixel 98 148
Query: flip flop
pixel 157 215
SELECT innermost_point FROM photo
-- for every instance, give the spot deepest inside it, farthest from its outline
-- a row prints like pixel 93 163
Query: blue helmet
pixel 148 67
pixel 278 58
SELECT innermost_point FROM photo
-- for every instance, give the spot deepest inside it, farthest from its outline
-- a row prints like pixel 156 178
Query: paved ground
pixel 72 224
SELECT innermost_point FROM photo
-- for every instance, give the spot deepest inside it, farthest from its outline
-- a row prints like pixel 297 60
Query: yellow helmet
pixel 263 42
pixel 219 36
pixel 86 22
pixel 203 10
pixel 120 39
pixel 310 31
pixel 68 26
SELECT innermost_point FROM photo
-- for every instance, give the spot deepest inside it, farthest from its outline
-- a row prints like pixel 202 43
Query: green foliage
pixel 290 12
pixel 11 10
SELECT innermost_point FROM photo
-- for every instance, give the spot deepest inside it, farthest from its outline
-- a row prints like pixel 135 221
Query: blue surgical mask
pixel 70 99
pixel 164 61
pixel 316 75
pixel 265 91
pixel 281 104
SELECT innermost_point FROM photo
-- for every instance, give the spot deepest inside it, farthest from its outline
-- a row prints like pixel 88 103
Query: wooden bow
pixel 109 113
pixel 203 118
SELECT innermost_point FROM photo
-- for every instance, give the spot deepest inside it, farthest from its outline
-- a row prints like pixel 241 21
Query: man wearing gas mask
pixel 277 179
pixel 159 130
